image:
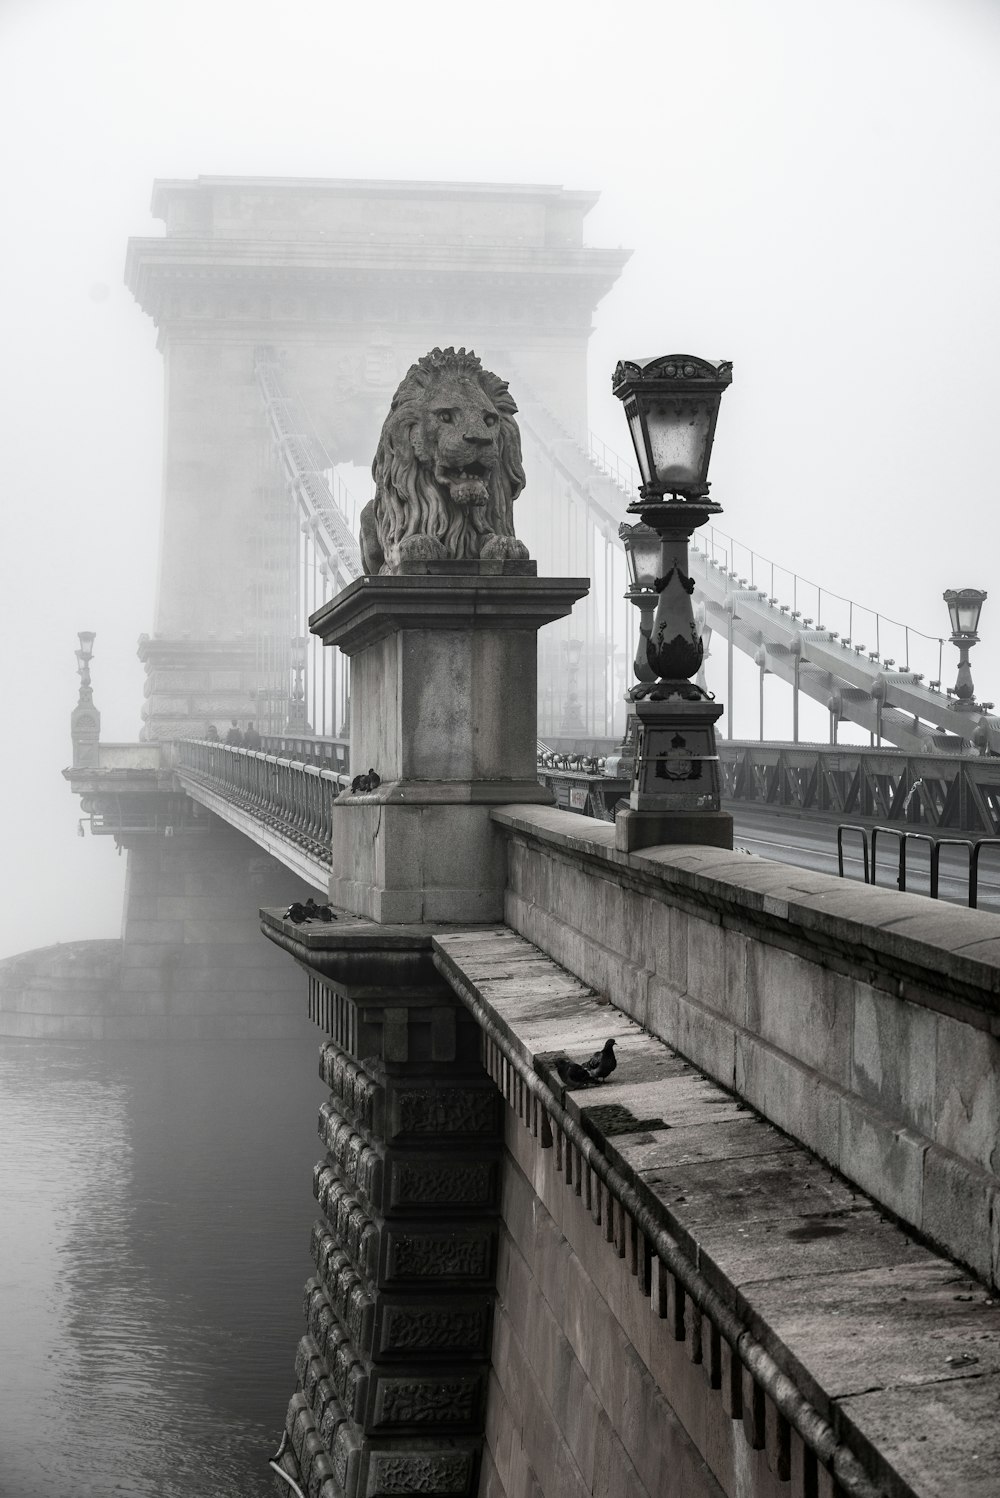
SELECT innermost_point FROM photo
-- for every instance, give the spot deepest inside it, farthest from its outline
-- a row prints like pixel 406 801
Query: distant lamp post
pixel 642 557
pixel 672 406
pixel 85 720
pixel 964 608
pixel 297 720
pixel 572 716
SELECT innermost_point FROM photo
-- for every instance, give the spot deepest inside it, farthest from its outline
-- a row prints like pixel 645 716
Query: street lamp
pixel 297 720
pixel 964 608
pixel 642 557
pixel 85 720
pixel 572 717
pixel 672 406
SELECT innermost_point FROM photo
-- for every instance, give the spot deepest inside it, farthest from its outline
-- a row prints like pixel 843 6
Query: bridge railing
pixel 947 792
pixel 329 753
pixel 295 799
pixel 970 883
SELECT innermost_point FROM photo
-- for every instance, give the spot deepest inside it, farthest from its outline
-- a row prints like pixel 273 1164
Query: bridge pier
pixel 191 958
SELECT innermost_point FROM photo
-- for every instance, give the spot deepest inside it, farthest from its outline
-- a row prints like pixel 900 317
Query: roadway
pixel 811 843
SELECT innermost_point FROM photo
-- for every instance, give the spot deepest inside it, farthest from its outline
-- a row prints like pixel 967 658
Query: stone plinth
pixel 444 710
pixel 393 1368
pixel 190 683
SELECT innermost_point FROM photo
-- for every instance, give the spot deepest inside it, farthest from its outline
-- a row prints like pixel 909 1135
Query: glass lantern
pixel 964 608
pixel 672 405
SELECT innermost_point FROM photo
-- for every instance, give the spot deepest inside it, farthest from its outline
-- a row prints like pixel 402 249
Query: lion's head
pixel 448 467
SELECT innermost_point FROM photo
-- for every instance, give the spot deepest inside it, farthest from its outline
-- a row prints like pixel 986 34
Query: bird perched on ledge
pixel 572 1073
pixel 310 911
pixel 602 1063
pixel 369 782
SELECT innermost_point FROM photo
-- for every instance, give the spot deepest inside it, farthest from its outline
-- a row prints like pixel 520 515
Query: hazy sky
pixel 811 191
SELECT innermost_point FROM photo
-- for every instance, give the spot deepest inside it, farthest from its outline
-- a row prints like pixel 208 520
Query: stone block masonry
pixel 864 1023
pixel 393 1368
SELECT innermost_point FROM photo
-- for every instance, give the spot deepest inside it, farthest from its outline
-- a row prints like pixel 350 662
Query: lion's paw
pixel 504 548
pixel 420 548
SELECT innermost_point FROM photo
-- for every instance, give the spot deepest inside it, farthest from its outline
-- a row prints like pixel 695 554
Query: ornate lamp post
pixel 964 608
pixel 85 720
pixel 642 557
pixel 572 716
pixel 672 405
pixel 297 721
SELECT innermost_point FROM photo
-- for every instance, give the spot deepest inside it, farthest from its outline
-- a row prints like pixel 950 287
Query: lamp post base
pixel 675 794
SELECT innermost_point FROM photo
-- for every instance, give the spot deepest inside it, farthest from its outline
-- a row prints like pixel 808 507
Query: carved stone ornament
pixel 447 470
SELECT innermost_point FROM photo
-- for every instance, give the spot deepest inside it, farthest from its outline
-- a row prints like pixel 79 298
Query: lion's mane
pixel 408 500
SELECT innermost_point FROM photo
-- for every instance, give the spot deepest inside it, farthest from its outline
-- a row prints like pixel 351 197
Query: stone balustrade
pixel 290 797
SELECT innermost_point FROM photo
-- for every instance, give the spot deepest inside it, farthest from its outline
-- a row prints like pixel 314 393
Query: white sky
pixel 811 190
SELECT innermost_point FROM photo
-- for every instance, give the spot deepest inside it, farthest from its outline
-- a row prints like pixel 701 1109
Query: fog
pixel 810 190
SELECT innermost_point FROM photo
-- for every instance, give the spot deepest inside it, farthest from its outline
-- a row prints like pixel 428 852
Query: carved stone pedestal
pixel 676 790
pixel 443 689
pixel 392 1371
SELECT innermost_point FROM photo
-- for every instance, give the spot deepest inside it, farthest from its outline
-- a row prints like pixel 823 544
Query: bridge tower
pixel 348 282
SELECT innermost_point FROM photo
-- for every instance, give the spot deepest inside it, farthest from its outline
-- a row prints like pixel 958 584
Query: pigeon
pixel 572 1074
pixel 362 783
pixel 310 911
pixel 602 1063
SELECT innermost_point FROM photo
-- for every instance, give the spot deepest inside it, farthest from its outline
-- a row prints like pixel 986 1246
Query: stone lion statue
pixel 448 468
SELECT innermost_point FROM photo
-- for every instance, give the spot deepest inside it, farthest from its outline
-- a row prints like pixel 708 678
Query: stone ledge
pixel 858 1315
pixel 945 958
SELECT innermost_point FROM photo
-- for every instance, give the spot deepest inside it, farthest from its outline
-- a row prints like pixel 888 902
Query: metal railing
pixel 947 792
pixel 308 749
pixel 966 876
pixel 293 798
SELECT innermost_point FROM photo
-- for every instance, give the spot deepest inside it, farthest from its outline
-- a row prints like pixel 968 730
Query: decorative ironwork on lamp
pixel 672 406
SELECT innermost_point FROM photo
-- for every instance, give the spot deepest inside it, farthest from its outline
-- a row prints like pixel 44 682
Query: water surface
pixel 154 1229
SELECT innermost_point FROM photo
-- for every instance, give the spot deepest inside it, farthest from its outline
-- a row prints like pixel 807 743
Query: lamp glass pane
pixel 635 426
pixel 968 615
pixel 678 436
pixel 645 558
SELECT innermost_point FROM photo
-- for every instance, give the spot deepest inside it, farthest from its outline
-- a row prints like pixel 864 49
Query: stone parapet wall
pixel 688 1303
pixel 862 1022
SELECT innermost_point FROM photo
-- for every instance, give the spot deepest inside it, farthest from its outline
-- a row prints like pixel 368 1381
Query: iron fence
pixel 294 798
pixel 964 875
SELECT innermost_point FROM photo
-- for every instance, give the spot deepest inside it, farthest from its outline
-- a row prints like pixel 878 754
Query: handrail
pixel 950 842
pixel 972 847
pixel 895 832
pixel 983 842
pixel 293 798
pixel 850 827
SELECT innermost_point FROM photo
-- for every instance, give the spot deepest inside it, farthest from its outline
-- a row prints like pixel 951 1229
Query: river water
pixel 155 1210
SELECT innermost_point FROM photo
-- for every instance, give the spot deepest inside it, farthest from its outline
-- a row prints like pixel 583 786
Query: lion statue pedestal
pixel 443 708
